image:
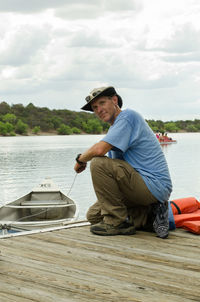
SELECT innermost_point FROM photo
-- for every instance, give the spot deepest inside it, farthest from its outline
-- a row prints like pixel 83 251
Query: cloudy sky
pixel 53 52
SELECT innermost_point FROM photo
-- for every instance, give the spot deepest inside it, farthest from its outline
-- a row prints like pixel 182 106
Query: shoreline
pixel 50 134
pixel 54 133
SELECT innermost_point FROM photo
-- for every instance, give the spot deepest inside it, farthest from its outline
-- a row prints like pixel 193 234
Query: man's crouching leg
pixel 111 200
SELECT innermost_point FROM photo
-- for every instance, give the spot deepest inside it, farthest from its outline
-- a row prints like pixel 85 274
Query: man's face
pixel 106 108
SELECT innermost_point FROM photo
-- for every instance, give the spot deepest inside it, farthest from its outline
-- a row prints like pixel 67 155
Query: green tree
pixel 156 126
pixel 92 126
pixel 171 127
pixel 6 129
pixel 10 118
pixel 9 128
pixel 4 108
pixel 30 108
pixel 3 130
pixel 56 121
pixel 153 125
pixel 18 110
pixel 21 128
pixel 77 122
pixel 197 124
pixel 76 130
pixel 36 129
pixel 64 130
pixel 191 128
pixel 105 126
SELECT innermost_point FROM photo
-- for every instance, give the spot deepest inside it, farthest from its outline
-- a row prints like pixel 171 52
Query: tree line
pixel 23 120
pixel 19 119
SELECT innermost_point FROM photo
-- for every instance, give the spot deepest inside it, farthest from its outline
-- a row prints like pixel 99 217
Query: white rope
pixel 72 184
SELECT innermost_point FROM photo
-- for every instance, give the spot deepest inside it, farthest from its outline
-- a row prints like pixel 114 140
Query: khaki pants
pixel 120 191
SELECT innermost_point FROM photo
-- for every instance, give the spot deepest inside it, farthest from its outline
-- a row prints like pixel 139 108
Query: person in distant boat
pixel 166 138
pixel 157 135
pixel 132 183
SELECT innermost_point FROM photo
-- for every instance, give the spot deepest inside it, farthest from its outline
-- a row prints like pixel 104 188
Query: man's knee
pixel 97 162
pixel 93 214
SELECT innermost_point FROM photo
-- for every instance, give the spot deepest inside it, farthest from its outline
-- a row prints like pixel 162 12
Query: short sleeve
pixel 119 135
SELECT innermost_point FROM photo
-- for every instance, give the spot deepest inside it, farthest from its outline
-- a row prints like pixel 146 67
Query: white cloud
pixel 54 52
pixel 70 8
pixel 21 44
pixel 24 6
pixel 96 9
pixel 184 39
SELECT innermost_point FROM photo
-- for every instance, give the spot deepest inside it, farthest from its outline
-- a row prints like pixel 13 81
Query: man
pixel 132 183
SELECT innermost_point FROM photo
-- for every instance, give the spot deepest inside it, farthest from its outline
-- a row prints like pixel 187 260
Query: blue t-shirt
pixel 134 141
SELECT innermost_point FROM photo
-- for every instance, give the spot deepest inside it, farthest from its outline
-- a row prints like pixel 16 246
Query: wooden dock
pixel 76 266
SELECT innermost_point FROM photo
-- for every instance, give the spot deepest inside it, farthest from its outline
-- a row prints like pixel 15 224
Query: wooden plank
pixel 63 224
pixel 75 265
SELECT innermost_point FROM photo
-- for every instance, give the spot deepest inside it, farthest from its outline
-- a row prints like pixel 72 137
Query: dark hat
pixel 99 92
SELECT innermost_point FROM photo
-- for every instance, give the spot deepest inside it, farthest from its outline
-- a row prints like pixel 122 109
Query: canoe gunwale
pixel 40 206
pixel 33 222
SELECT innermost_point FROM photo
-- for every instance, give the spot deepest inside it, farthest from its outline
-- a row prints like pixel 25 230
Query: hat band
pixel 92 95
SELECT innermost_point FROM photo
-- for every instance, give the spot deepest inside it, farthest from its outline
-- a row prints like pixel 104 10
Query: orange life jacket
pixel 186 213
pixel 192 226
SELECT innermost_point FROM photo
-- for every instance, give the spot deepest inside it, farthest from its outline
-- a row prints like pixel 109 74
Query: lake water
pixel 25 161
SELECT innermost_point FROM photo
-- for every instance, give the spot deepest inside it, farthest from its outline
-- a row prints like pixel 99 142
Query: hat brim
pixel 88 107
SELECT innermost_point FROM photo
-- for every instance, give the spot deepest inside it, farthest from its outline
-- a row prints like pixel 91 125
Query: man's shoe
pixel 105 229
pixel 161 220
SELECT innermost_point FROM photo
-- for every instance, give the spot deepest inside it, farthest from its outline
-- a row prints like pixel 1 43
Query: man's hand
pixel 80 168
pixel 98 149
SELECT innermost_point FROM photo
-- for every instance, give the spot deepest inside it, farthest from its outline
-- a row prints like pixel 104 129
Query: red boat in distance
pixel 164 139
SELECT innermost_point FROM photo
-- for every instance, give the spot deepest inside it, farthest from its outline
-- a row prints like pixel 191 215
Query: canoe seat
pixel 42 202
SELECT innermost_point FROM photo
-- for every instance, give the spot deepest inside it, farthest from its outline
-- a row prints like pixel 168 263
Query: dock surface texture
pixel 75 265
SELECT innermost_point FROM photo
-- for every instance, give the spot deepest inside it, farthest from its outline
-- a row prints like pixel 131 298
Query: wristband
pixel 78 161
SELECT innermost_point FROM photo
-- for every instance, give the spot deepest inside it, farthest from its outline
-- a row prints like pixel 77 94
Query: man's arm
pixel 98 149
